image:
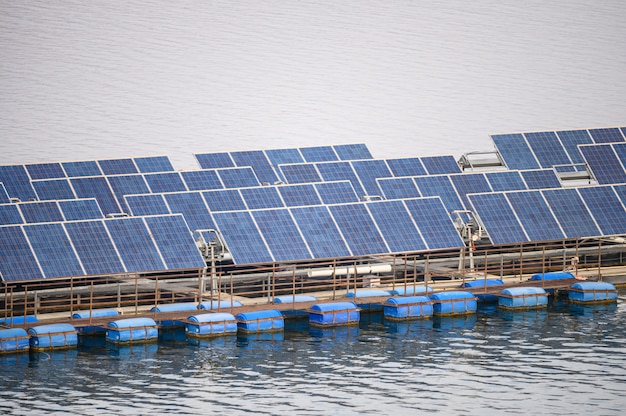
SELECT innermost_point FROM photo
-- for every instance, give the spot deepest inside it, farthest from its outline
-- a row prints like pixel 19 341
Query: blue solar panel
pixel 17 261
pixel 4 197
pixel 515 151
pixel 352 151
pixel 80 209
pixel 40 212
pixel 606 135
pixel 535 216
pixel 358 229
pixel 153 204
pixel 498 218
pixel 84 168
pixel 53 189
pixel 238 177
pixel 338 171
pixel 174 242
pixel 396 225
pixel 17 182
pixel 10 214
pixel 242 237
pixel 604 163
pixel 505 181
pixel 53 249
pixel 411 166
pixel 154 164
pixel 282 235
pixel 437 165
pixel 117 166
pixel 319 154
pixel 165 182
pixel 193 208
pixel 336 192
pixel 394 188
pixel 259 162
pixel 469 183
pixel 620 150
pixel 368 171
pixel 134 244
pixel 265 197
pixel 442 187
pixel 299 195
pixel 570 211
pixel 300 173
pixel 571 139
pixel 541 179
pixel 320 232
pixel 226 200
pixel 606 208
pixel 279 157
pixel 201 180
pixel 45 171
pixel 85 236
pixel 96 187
pixel 621 192
pixel 127 185
pixel 434 223
pixel 214 160
pixel 547 148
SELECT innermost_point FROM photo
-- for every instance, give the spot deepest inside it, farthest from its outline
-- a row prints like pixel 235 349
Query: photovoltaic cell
pixel 300 173
pixel 96 187
pixel 83 168
pixel 153 204
pixel 498 218
pixel 320 232
pixel 319 154
pixel 368 171
pixel 193 208
pixel 154 164
pixel 411 166
pixel 299 195
pixel 571 139
pixel 336 192
pixel 85 235
pixel 571 212
pixel 10 214
pixel 214 160
pixel 117 166
pixel 505 181
pixel 17 182
pixel 515 151
pixel 17 261
pixel 201 180
pixel 53 189
pixel 127 185
pixel 541 179
pixel 604 163
pixel 394 188
pixel 469 183
pixel 174 242
pixel 337 171
pixel 45 171
pixel 262 197
pixel 358 229
pixel 238 177
pixel 226 200
pixel 436 165
pixel 165 182
pixel 606 208
pixel 134 244
pixel 40 212
pixel 435 224
pixel 242 237
pixel 352 151
pixel 396 225
pixel 282 235
pixel 535 216
pixel 442 187
pixel 547 148
pixel 80 209
pixel 606 135
pixel 259 163
pixel 53 249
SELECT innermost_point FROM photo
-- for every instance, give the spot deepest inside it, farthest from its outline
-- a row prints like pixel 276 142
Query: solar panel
pixel 411 166
pixel 238 177
pixel 174 242
pixel 319 154
pixel 45 171
pixel 620 150
pixel 152 204
pixel 547 148
pixel 282 235
pixel 165 182
pixel 262 197
pixel 300 173
pixel 96 187
pixel 4 197
pixel 259 163
pixel 535 215
pixel 117 166
pixel 80 209
pixel 442 187
pixel 396 226
pixel 541 179
pixel 505 181
pixel 571 139
pixel 571 212
pixel 53 250
pixel 53 189
pixel 606 135
pixel 358 229
pixel 17 182
pixel 604 163
pixel 498 218
pixel 337 171
pixel 193 208
pixel 85 235
pixel 434 223
pixel 299 195
pixel 368 171
pixel 83 168
pixel 45 211
pixel 436 165
pixel 606 208
pixel 515 151
pixel 242 237
pixel 214 160
pixel 352 151
pixel 336 192
pixel 620 190
pixel 154 164
pixel 469 183
pixel 127 185
pixel 279 157
pixel 201 180
pixel 134 244
pixel 320 232
pixel 17 261
pixel 10 214
pixel 226 200
pixel 394 188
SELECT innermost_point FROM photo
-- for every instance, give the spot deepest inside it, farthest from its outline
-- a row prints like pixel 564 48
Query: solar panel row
pixel 49 211
pixel 606 161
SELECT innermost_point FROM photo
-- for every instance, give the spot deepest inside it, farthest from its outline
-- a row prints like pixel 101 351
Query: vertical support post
pixel 25 304
pixel 136 294
pixel 599 260
pixel 334 278
pixel 521 261
pixel 90 302
pixel 427 271
pixel 543 267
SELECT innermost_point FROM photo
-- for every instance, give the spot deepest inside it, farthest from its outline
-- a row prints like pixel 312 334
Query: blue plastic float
pixel 53 337
pixel 481 284
pixel 175 307
pixel 552 276
pixel 219 304
pixel 294 299
pixel 334 314
pixel 260 321
pixel 410 307
pixel 523 298
pixel 592 292
pixel 453 303
pixel 211 324
pixel 132 331
pixel 14 340
pixel 95 313
pixel 411 290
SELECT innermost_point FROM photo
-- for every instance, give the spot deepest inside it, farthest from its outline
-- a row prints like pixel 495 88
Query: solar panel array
pixel 49 211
